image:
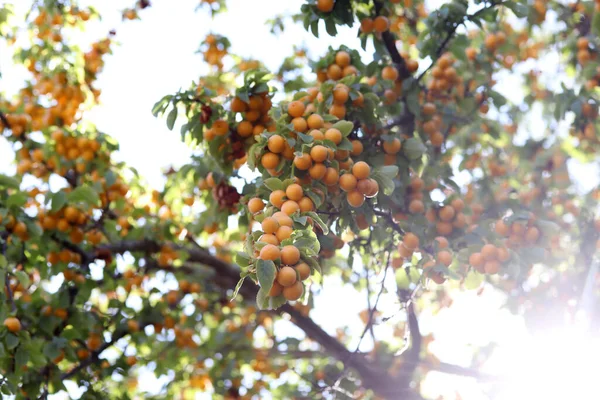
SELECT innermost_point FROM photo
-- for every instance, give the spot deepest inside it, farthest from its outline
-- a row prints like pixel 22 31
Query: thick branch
pixel 408 118
pixel 372 376
pixel 390 44
pixel 85 258
pixel 431 365
pixel 412 355
pixel 452 369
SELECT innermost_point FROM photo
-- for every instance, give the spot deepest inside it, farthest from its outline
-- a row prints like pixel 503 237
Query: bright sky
pixel 156 57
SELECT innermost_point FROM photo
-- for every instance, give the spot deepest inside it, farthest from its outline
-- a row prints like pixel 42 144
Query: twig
pixel 390 220
pixel 190 239
pixel 403 120
pixel 451 33
pixel 98 223
pixel 9 294
pixel 367 327
pixel 367 277
pixel 94 357
pixel 374 309
pixel 85 257
pixel 334 213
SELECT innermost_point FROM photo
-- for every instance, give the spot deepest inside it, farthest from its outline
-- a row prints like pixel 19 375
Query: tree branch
pixel 432 365
pixel 451 33
pixel 447 368
pixel 85 257
pixel 390 44
pixel 373 310
pixel 412 355
pixel 390 220
pixel 94 357
pixel 9 294
pixel 4 120
pixel 372 375
pixel 408 118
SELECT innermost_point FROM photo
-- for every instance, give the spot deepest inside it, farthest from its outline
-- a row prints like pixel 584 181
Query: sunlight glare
pixel 561 364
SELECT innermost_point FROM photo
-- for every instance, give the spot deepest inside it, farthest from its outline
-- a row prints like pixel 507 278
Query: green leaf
pixel 12 341
pixel 301 219
pixel 8 182
pixel 313 264
pixel 497 98
pixel 22 277
pixel 52 350
pixel 413 148
pixel 16 199
pixel 184 129
pixel 385 182
pixel 242 259
pixel 548 228
pixel 330 27
pixel 407 276
pixel 345 127
pixel 520 10
pixel 84 194
pixel 36 357
pixel 243 95
pixel 319 221
pixel 412 98
pixel 596 23
pixel 276 302
pixel 274 184
pixel 489 14
pixel 391 171
pixel 300 95
pixel 304 137
pixel 314 28
pixel 159 105
pixel 308 243
pixel 171 118
pixel 345 145
pixel 534 255
pixel 21 357
pixel 473 280
pixel 3 261
pixel 265 272
pixel 238 287
pixel 110 178
pixel 262 299
pixel 59 199
pixel 316 199
pixel 261 88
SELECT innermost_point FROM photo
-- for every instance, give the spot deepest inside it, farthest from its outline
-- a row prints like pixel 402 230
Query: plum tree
pixel 413 167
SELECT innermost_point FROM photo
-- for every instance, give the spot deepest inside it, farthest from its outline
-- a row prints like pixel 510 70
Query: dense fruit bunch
pixel 214 49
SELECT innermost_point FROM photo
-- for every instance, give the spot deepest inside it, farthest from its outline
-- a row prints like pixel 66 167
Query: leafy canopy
pixel 408 163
